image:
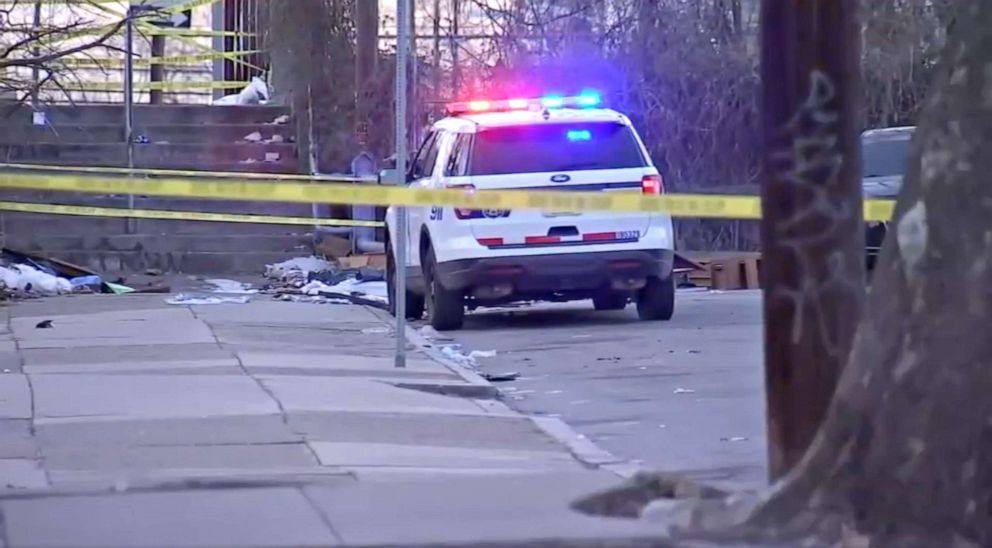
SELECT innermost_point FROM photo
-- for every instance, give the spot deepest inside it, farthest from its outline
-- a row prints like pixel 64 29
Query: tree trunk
pixel 905 453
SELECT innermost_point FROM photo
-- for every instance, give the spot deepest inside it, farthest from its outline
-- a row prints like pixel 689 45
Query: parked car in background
pixel 885 153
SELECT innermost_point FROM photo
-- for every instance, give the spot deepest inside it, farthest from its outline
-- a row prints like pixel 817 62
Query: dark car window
pixel 885 157
pixel 554 147
pixel 423 165
pixel 458 160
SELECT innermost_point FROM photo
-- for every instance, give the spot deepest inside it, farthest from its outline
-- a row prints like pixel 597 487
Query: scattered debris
pixel 29 280
pixel 253 137
pixel 683 391
pixel 92 283
pixel 46 324
pixel 376 330
pixel 187 300
pixel 118 289
pixel 298 268
pixel 454 353
pixel 153 288
pixel 734 439
pixel 280 120
pixel 314 277
pixel 476 354
pixel 374 260
pixel 333 246
pixel 693 351
pixel 256 92
pixel 631 498
pixel 28 275
pixel 501 377
pixel 222 285
pixel 552 392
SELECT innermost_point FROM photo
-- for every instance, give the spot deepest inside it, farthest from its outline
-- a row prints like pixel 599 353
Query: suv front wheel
pixel 445 308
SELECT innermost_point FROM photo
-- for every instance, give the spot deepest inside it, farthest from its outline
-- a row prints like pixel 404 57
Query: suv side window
pixel 431 158
pixel 421 164
pixel 458 162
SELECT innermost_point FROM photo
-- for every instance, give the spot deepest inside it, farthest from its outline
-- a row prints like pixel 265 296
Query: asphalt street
pixel 683 396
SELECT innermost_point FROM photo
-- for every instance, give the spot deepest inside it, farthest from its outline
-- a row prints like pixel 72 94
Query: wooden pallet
pixel 727 271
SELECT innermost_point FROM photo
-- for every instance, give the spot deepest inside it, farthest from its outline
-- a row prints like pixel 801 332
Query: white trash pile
pixel 304 279
pixel 25 279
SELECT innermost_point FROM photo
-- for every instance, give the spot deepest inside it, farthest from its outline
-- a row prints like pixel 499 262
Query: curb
pixel 581 448
pixel 479 388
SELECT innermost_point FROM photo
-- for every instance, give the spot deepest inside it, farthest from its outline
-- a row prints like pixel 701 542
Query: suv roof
pixel 470 123
pixel 888 134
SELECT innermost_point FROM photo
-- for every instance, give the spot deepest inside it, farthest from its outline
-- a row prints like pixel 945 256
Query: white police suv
pixel 464 258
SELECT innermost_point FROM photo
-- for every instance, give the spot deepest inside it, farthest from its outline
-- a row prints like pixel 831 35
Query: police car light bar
pixel 585 100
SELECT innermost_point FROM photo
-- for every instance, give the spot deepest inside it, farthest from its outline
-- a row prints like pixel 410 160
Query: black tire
pixel 445 308
pixel 656 300
pixel 613 300
pixel 414 302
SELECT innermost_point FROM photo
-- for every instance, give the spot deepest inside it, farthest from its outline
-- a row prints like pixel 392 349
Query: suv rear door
pixel 557 156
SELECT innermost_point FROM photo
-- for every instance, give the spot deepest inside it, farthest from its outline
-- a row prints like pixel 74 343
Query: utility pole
pixel 812 229
pixel 130 223
pixel 400 238
pixel 414 80
pixel 35 52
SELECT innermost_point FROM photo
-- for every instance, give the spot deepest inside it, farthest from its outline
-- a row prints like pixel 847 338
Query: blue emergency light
pixel 579 135
pixel 587 99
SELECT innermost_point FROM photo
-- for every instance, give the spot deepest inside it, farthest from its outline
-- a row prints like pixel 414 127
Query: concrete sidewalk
pixel 135 423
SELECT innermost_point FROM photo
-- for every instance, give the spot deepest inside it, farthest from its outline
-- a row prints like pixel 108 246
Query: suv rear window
pixel 554 147
pixel 885 158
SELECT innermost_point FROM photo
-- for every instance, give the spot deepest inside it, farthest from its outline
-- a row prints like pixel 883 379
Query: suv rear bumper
pixel 558 272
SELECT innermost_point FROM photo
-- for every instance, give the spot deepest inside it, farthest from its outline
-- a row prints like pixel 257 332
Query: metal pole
pixel 129 104
pixel 35 52
pixel 217 22
pixel 812 228
pixel 402 43
pixel 414 82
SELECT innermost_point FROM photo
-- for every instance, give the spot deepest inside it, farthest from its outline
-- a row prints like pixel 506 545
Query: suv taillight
pixel 652 184
pixel 464 213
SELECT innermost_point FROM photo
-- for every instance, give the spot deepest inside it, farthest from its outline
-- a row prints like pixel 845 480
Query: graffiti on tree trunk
pixel 810 164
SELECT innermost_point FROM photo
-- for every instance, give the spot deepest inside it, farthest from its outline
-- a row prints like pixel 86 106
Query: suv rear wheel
pixel 445 308
pixel 656 300
pixel 414 302
pixel 612 300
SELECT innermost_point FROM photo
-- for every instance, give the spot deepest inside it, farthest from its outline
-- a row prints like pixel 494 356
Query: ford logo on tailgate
pixel 560 178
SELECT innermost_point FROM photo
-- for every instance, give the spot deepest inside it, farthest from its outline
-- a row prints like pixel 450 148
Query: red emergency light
pixel 585 100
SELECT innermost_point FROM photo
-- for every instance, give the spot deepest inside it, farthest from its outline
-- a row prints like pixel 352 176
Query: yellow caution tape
pixel 87 211
pixel 146 61
pixel 45 171
pixel 151 30
pixel 118 87
pixel 677 205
